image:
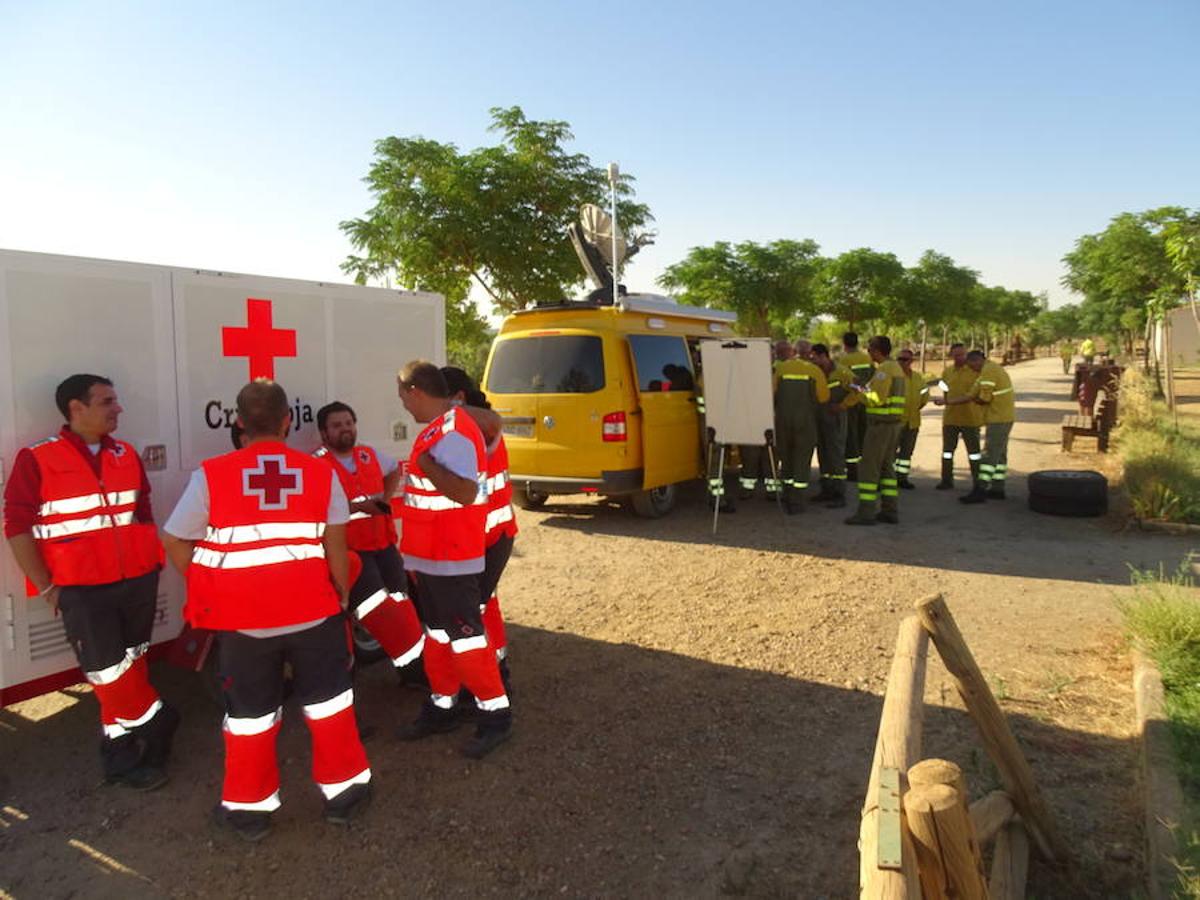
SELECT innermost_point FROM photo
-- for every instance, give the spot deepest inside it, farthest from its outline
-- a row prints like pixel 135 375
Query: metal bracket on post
pixel 889 819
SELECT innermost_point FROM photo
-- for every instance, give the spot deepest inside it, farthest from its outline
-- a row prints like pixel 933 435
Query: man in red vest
pixel 501 525
pixel 260 535
pixel 442 542
pixel 77 516
pixel 379 595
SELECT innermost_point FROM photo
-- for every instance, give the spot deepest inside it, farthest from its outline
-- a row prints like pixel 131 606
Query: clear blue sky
pixel 234 136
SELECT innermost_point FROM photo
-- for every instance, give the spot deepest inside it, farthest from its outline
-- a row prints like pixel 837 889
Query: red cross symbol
pixel 259 340
pixel 273 482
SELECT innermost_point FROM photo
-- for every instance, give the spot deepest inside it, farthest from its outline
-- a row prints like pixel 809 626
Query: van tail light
pixel 614 427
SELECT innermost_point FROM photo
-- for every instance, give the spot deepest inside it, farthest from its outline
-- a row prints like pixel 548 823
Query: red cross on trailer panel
pixel 272 482
pixel 259 341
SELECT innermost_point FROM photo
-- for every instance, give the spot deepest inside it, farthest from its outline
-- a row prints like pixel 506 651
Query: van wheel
pixel 528 498
pixel 367 650
pixel 655 503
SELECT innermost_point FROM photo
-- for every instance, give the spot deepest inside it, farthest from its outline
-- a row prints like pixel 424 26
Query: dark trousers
pixel 856 428
pixel 908 443
pixel 831 449
pixel 970 439
pixel 109 627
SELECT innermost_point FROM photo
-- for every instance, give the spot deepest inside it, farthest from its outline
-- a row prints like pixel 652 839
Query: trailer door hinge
pixel 10 622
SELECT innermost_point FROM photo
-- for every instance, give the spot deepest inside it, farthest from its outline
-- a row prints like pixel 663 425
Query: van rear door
pixel 667 395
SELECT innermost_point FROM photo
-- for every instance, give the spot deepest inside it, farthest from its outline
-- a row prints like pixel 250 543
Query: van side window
pixel 547 364
pixel 662 363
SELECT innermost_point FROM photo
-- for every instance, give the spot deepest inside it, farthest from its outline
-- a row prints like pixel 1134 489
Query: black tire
pixel 1068 492
pixel 528 498
pixel 655 503
pixel 367 650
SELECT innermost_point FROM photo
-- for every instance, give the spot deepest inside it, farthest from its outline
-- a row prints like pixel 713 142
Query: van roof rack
pixel 652 304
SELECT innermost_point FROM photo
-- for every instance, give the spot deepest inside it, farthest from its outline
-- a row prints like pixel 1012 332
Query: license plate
pixel 524 431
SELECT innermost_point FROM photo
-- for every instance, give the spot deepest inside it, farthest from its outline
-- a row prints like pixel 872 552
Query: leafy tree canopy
pixel 769 286
pixel 862 284
pixel 494 215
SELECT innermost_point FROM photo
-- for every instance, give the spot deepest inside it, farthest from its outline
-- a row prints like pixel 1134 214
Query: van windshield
pixel 548 364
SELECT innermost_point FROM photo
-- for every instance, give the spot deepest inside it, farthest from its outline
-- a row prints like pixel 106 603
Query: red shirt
pixel 23 492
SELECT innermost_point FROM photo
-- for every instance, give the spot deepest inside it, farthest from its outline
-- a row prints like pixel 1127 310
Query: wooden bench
pixel 1098 426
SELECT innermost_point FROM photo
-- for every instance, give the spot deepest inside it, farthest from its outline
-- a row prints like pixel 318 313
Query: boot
pixel 996 491
pixel 859 519
pixel 852 471
pixel 431 720
pixel 947 482
pixel 978 494
pixel 825 493
pixel 904 484
pixel 889 512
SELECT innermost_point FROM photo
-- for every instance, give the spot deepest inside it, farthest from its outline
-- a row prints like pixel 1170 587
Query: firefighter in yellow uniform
pixel 859 364
pixel 885 398
pixel 916 395
pixel 800 388
pixel 962 419
pixel 831 427
pixel 993 391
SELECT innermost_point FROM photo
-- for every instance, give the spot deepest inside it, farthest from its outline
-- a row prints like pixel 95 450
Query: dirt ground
pixel 695 715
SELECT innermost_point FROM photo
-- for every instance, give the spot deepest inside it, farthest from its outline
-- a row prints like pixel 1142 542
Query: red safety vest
pixel 262 561
pixel 435 527
pixel 85 527
pixel 365 531
pixel 500 517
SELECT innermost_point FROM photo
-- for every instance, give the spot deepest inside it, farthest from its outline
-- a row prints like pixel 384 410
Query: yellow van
pixel 601 398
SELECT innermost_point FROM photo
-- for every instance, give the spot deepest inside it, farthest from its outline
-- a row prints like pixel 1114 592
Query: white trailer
pixel 179 344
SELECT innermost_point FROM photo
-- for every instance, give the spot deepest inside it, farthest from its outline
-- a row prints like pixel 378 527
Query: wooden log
pixel 941 831
pixel 1010 863
pixel 943 771
pixel 898 745
pixel 989 814
pixel 993 728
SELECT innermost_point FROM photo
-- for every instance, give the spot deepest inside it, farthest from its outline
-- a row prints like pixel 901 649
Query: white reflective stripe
pixel 443 701
pixel 947 456
pixel 266 531
pixel 498 517
pixel 112 732
pixel 437 634
pixel 974 456
pixel 399 597
pixel 359 499
pixel 496 703
pixel 251 726
pixel 1006 390
pixel 355 516
pixel 466 645
pixel 439 501
pixel 987 383
pixel 411 654
pixel 496 482
pixel 111 673
pixel 263 556
pixel 369 605
pixel 501 652
pixel 270 804
pixel 69 505
pixel 137 650
pixel 80 526
pixel 332 790
pixel 330 707
pixel 423 484
pixel 145 717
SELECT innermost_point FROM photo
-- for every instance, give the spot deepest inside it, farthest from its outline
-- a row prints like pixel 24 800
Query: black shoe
pixel 890 518
pixel 348 805
pixel 995 493
pixel 836 503
pixel 158 734
pixel 249 826
pixel 977 495
pixel 944 486
pixel 432 720
pixel 143 778
pixel 905 484
pixel 486 739
pixel 856 519
pixel 793 508
pixel 821 496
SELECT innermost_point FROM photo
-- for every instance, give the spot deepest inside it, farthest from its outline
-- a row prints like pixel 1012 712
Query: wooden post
pixel 1010 863
pixel 898 745
pixel 942 771
pixel 993 729
pixel 942 833
pixel 990 814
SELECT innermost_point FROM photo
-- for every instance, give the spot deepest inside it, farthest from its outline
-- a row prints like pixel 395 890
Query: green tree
pixel 1125 273
pixel 494 216
pixel 1182 238
pixel 769 286
pixel 861 284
